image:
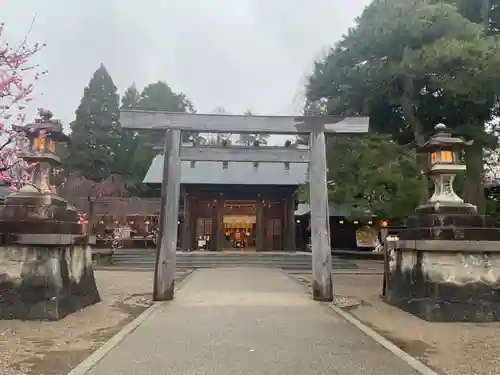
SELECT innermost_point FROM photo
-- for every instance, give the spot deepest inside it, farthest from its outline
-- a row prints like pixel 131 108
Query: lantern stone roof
pixel 44 123
pixel 442 138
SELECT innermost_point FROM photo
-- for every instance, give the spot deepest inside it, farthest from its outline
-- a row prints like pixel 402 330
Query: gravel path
pixel 54 348
pixel 242 321
pixel 449 348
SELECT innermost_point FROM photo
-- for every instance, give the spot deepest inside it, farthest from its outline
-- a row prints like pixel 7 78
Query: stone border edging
pixel 93 359
pixel 387 344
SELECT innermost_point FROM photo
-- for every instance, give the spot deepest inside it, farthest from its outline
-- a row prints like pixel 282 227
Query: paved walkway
pixel 247 321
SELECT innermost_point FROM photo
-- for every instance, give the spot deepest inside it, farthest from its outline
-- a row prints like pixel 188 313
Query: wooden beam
pixel 164 282
pixel 245 154
pixel 260 225
pixel 320 228
pixel 223 123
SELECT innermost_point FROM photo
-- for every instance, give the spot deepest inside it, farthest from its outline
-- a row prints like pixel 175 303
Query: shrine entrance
pixel 314 127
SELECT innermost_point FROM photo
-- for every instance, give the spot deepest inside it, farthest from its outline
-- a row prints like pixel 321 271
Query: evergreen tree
pixel 130 98
pixel 433 65
pixel 95 131
pixel 137 148
pixel 128 139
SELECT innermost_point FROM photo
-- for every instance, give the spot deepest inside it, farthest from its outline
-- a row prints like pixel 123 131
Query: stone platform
pixel 45 283
pixel 45 259
pixel 446 267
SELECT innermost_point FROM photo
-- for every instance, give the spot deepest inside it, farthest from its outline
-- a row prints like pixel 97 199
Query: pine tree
pixel 95 132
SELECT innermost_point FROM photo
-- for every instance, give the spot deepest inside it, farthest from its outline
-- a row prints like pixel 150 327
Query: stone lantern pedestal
pixel 45 259
pixel 446 264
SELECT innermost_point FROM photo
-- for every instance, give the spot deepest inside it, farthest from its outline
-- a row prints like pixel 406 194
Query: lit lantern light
pixel 298 221
pixel 147 222
pixel 356 222
pixel 43 136
pixel 341 222
pixel 384 223
pixel 444 163
pixel 370 222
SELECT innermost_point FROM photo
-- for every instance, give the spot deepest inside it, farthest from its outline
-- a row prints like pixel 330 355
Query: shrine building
pixel 221 202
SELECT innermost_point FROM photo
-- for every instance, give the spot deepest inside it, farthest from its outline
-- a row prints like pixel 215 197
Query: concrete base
pixel 45 283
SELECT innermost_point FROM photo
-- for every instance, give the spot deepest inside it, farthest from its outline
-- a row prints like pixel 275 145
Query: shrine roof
pixel 237 173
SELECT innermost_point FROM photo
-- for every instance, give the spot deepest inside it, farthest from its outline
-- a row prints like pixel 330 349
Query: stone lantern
pixel 445 162
pixel 43 136
pixel 446 263
pixel 45 255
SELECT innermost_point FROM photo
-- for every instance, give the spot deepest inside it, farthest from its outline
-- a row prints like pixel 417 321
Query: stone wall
pixel 45 282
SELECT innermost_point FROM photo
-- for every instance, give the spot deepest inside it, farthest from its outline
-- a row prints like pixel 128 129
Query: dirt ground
pixel 54 348
pixel 448 348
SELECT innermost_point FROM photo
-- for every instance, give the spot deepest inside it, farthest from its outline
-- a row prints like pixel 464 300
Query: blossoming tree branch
pixel 17 77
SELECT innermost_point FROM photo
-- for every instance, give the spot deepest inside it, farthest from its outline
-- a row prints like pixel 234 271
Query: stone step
pixel 289 261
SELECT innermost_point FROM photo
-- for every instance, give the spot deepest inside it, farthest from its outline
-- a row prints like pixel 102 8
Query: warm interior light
pixel 434 158
pixel 41 143
pixel 384 223
pixel 34 146
pixel 341 222
pixel 147 222
pixel 52 146
pixel 446 156
pixel 298 221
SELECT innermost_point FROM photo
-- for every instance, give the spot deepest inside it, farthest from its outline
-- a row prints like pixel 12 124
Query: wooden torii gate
pixel 174 153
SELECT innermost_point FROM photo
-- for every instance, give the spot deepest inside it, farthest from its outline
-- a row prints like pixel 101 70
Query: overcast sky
pixel 238 54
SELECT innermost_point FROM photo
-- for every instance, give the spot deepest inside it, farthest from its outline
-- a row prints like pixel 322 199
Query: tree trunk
pixel 416 126
pixel 485 15
pixel 475 177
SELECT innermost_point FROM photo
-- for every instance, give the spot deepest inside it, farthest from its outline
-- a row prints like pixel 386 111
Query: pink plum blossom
pixel 16 89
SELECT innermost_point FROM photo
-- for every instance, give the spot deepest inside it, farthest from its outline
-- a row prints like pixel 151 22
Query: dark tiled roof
pixel 119 206
pixel 237 173
pixel 333 209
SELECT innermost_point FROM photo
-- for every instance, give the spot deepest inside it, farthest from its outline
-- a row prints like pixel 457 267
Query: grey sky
pixel 237 54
